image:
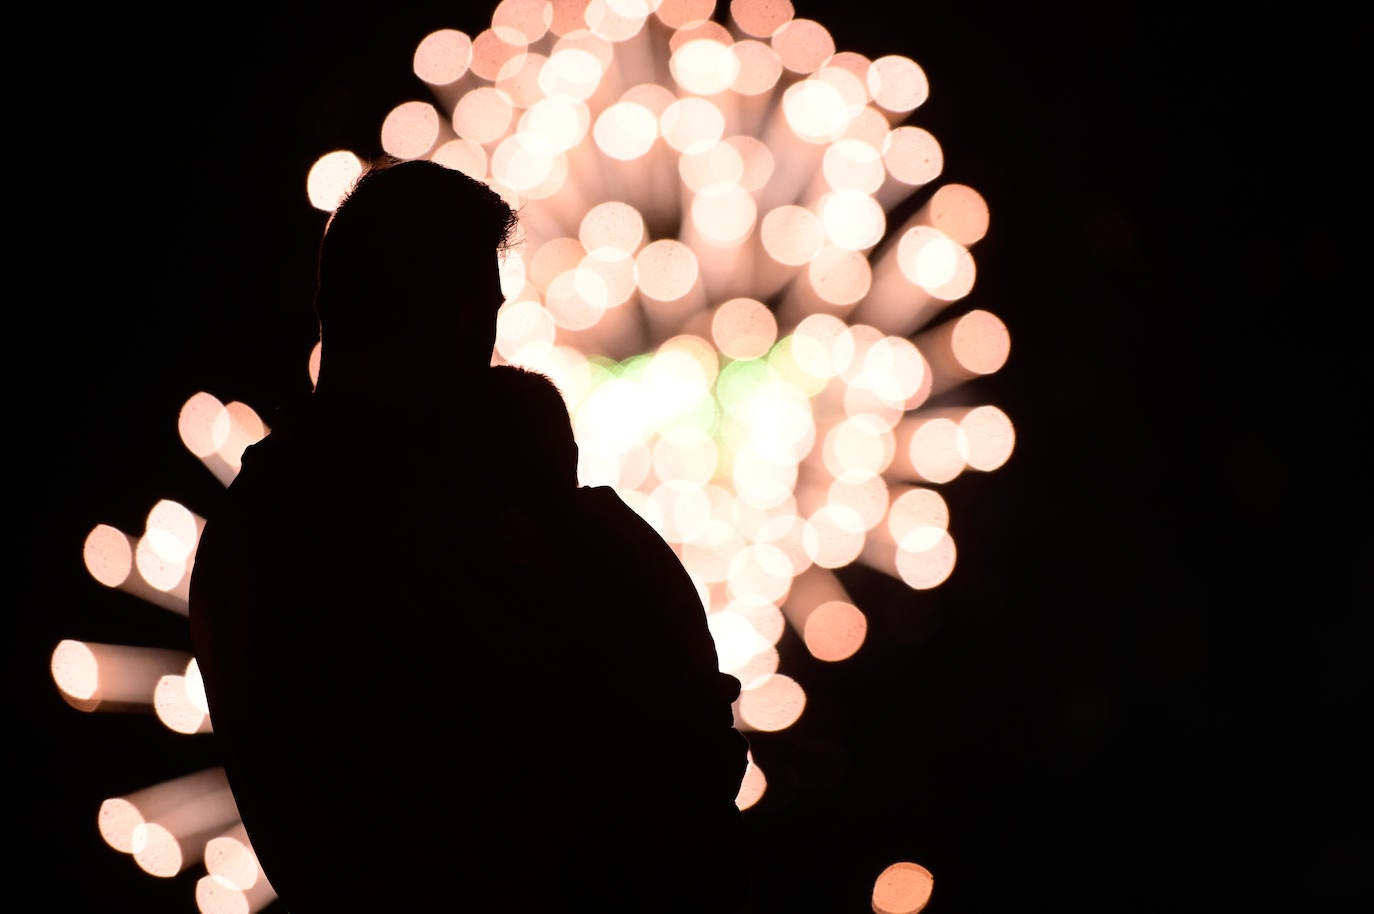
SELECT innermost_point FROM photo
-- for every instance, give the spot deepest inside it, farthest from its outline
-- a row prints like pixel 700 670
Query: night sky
pixel 1143 687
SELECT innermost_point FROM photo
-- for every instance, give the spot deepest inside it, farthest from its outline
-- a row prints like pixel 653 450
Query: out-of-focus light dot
pixel 568 16
pixel 839 276
pixel 511 270
pixel 858 447
pixel 834 631
pixel 704 66
pixel 861 397
pixel 761 613
pixel 760 18
pixel 682 508
pixel 723 213
pixel 616 20
pixel 856 65
pixel 913 155
pixel 701 30
pixel 868 125
pixel 157 851
pixel 853 220
pixel 785 530
pixel 803 45
pixel 677 13
pixel 573 72
pixel 759 68
pixel 895 370
pixel 74 669
pixel 463 155
pixel 720 164
pixel 902 888
pixel 933 449
pixel 756 160
pixel 850 347
pixel 116 821
pixel 736 640
pixel 156 569
pixel 332 176
pixel 897 83
pixel 706 557
pixel 927 256
pixel 231 857
pixel 482 115
pixel 108 554
pixel 961 282
pixel 815 110
pixel 521 325
pixel 653 96
pixel 554 178
pixel 692 124
pixel 612 224
pixel 924 564
pixel 960 212
pixel 834 536
pixel 675 381
pixel 758 668
pixel 604 413
pixel 601 49
pixel 522 22
pixel 850 87
pixel 523 161
pixel 810 345
pixel 606 275
pixel 410 129
pixel 667 269
pixel 216 894
pixel 753 786
pixel 522 83
pixel 986 438
pixel 172 530
pixel 195 686
pixel 851 164
pixel 980 342
pixel 686 454
pixel 792 234
pixel 760 571
pixel 494 56
pixel 625 130
pixel 744 328
pixel 577 298
pixel 866 496
pixel 442 57
pixel 173 706
pixel 774 704
pixel 762 482
pixel 554 258
pixel 235 428
pixel 688 357
pixel 913 507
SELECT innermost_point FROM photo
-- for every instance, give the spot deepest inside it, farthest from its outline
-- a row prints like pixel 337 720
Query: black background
pixel 1144 686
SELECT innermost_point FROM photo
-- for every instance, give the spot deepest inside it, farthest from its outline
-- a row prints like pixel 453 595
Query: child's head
pixel 534 434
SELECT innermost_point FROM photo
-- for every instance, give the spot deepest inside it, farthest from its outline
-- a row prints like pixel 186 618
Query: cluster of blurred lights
pixel 753 355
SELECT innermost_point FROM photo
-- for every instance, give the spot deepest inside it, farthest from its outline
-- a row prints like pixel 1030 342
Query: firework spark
pixel 758 354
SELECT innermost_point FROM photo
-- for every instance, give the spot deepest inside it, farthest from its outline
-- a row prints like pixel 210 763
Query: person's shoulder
pixel 604 512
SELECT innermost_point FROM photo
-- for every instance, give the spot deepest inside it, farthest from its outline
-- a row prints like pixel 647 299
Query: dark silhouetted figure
pixel 443 675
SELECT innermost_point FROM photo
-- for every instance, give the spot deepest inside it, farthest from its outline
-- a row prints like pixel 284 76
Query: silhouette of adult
pixel 443 675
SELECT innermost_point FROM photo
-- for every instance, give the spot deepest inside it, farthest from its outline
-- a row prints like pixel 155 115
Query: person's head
pixel 534 434
pixel 409 267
